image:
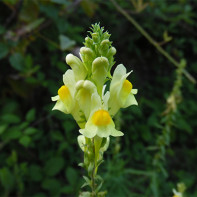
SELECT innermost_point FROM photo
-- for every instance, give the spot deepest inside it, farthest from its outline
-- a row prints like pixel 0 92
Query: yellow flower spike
pixel 101 118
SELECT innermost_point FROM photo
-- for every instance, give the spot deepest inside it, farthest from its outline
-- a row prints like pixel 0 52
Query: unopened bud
pixel 87 56
pixel 85 84
pixel 112 51
pixel 88 42
pixel 99 62
pixel 99 70
pixel 87 52
pixel 77 66
pixel 95 37
pixel 105 45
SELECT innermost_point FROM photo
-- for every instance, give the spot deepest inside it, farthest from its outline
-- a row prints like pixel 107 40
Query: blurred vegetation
pixel 38 148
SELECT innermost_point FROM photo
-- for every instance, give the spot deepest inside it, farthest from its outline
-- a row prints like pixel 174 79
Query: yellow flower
pixel 100 122
pixel 65 101
pixel 177 194
pixel 121 91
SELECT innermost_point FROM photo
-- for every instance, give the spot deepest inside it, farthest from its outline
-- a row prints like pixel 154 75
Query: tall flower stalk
pixel 86 96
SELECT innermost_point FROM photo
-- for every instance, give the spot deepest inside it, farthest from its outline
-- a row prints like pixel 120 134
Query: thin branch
pixel 152 41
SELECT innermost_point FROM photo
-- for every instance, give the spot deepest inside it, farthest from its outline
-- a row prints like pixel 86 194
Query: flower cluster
pixel 85 95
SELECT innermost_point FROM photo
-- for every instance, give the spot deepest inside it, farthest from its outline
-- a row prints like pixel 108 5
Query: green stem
pixel 93 172
pixel 49 41
pixel 152 41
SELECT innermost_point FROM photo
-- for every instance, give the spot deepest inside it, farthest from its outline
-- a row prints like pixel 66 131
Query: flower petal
pixel 77 66
pixel 55 98
pixel 69 81
pixel 105 100
pixel 60 106
pixel 130 101
pixel 134 91
pixel 103 131
pixel 117 97
pixel 116 133
pixel 90 131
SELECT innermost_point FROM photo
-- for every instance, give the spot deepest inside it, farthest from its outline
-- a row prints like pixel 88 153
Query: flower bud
pixel 95 37
pixel 105 44
pixel 99 71
pixel 88 42
pixel 112 51
pixel 104 47
pixel 87 56
pixel 77 66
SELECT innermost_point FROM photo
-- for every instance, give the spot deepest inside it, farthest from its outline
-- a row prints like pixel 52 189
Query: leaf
pixel 87 180
pixel 35 173
pixel 65 42
pixel 89 7
pixel 10 2
pixel 12 133
pixel 99 186
pixel 29 11
pixel 3 127
pixel 28 61
pixel 52 185
pixel 25 140
pixel 71 176
pixel 23 125
pixel 30 116
pixel 3 50
pixel 63 2
pixel 34 25
pixel 40 195
pixel 11 118
pixel 50 11
pixel 166 37
pixel 54 166
pixel 2 30
pixel 30 131
pixel 7 178
pixel 56 135
pixel 85 184
pixel 17 61
pixel 85 194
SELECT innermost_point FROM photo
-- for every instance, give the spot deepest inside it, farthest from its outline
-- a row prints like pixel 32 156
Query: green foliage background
pixel 39 154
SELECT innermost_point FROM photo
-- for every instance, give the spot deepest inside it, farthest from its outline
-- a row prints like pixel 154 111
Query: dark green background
pixel 39 154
